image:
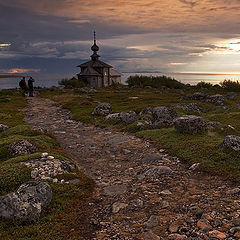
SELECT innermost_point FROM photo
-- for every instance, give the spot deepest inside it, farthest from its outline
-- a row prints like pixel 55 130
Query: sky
pixel 48 39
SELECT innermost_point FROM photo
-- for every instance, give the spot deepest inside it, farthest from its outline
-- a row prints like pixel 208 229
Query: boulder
pixel 146 111
pixel 27 203
pixel 196 96
pixel 113 116
pixel 190 124
pixel 3 127
pixel 221 108
pixel 103 109
pixel 231 96
pixel 232 142
pixel 92 90
pixel 212 126
pixel 163 113
pixel 128 117
pixel 21 147
pixel 217 99
pixel 189 107
pixel 162 124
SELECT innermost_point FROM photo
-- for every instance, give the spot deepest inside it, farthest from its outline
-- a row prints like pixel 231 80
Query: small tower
pixel 96 73
pixel 95 49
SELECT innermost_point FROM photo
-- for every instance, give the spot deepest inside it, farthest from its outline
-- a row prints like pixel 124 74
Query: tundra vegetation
pixel 68 199
pixel 142 92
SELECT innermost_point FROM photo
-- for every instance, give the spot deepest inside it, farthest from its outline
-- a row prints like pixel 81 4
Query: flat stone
pixel 118 140
pixel 153 221
pixel 217 234
pixel 204 225
pixel 117 206
pixel 233 191
pixel 150 236
pixel 151 158
pixel 3 127
pixel 74 181
pixel 154 172
pixel 194 166
pixel 173 228
pixel 165 192
pixel 176 236
pixel 114 190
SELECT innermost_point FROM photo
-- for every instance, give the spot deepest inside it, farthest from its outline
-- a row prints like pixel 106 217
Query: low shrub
pixel 230 85
pixel 72 83
pixel 12 176
pixel 155 82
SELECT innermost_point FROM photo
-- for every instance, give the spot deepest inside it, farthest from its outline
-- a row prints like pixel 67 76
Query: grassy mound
pixel 67 215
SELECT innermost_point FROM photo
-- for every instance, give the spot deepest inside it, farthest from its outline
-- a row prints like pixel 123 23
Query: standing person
pixel 23 86
pixel 30 86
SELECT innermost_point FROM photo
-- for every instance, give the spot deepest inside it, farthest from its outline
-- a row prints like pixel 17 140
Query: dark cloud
pixel 55 36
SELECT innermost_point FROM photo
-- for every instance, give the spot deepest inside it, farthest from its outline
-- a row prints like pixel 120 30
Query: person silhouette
pixel 23 86
pixel 30 86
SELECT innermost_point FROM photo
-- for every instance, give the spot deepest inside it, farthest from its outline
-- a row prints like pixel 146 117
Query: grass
pixel 67 215
pixel 203 148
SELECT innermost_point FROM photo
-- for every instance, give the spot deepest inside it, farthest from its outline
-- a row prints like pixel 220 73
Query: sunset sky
pixel 51 37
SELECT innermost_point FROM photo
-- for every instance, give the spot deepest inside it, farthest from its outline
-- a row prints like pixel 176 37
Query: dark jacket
pixel 30 83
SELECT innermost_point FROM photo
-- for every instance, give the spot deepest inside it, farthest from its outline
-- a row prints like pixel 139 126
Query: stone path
pixel 141 191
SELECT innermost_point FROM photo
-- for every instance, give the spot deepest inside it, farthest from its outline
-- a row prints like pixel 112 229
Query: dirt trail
pixel 141 193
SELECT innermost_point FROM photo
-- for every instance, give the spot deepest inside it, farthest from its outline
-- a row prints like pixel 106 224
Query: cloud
pixel 19 70
pixel 55 36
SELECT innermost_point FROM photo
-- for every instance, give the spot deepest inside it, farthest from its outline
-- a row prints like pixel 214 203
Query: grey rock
pixel 163 113
pixel 114 190
pixel 117 206
pixel 231 96
pixel 232 142
pixel 92 90
pixel 146 111
pixel 21 147
pixel 118 140
pixel 155 172
pixel 3 127
pixel 165 204
pixel 103 109
pixel 27 202
pixel 176 236
pixel 233 191
pixel 238 105
pixel 113 116
pixel 221 108
pixel 189 107
pixel 153 221
pixel 151 158
pixel 173 228
pixel 166 192
pixel 235 229
pixel 75 181
pixel 211 126
pixel 128 117
pixel 150 236
pixel 194 166
pixel 196 96
pixel 190 124
pixel 162 123
pixel 217 99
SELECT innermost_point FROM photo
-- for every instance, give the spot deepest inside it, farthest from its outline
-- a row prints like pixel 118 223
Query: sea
pixel 190 78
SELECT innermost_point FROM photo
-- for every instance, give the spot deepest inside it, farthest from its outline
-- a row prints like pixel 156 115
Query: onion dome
pixel 95 49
